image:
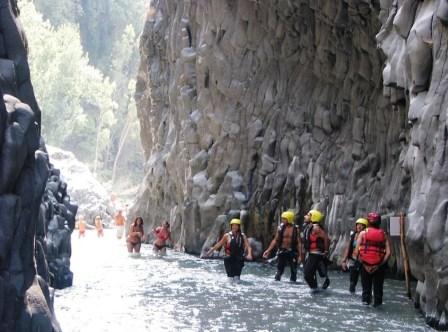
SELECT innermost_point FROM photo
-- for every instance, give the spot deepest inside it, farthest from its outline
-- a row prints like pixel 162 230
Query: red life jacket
pixel 313 242
pixel 373 246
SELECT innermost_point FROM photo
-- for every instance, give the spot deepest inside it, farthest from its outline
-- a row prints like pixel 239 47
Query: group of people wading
pixel 135 235
pixel 366 254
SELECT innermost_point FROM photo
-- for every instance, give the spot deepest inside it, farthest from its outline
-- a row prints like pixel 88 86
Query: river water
pixel 114 292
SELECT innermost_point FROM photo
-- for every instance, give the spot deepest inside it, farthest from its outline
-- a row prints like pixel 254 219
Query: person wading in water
pixel 135 236
pixel 99 226
pixel 120 221
pixel 373 246
pixel 235 244
pixel 162 234
pixel 316 243
pixel 350 261
pixel 287 240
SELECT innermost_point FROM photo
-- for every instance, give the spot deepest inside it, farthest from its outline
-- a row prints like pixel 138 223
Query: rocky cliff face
pixel 36 216
pixel 253 107
pixel 414 39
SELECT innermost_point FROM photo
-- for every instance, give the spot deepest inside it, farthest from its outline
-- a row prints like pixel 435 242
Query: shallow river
pixel 114 292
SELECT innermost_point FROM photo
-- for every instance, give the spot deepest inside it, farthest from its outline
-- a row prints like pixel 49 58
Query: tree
pixel 75 98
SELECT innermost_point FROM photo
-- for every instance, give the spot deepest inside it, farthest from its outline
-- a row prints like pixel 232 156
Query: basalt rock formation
pixel 252 107
pixel 36 216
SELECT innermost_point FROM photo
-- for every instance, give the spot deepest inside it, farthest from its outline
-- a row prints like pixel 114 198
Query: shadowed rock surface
pixel 36 215
pixel 253 107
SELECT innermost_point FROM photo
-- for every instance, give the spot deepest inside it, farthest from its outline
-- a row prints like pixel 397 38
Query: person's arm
pixel 345 255
pixel 388 252
pixel 326 241
pixel 359 240
pixel 299 247
pixel 271 246
pixel 248 249
pixel 217 245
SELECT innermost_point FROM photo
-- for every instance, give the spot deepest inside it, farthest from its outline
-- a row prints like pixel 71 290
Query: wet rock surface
pixel 262 106
pixel 36 215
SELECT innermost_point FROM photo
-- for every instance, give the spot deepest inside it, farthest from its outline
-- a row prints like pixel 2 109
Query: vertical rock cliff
pixel 253 107
pixel 36 216
pixel 414 39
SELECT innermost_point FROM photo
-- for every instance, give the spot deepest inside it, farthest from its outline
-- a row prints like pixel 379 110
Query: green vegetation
pixel 87 110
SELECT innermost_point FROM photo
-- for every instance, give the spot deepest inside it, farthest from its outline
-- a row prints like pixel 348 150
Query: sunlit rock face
pixel 36 215
pixel 92 198
pixel 414 39
pixel 253 107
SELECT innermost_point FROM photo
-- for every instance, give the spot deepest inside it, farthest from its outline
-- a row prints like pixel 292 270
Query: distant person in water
pixel 350 259
pixel 162 235
pixel 99 226
pixel 135 236
pixel 235 244
pixel 119 223
pixel 81 227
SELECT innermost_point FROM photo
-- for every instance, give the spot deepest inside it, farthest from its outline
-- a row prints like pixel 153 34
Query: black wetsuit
pixel 287 256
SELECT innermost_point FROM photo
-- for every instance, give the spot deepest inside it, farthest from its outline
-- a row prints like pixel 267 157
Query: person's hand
pixel 371 268
pixel 266 254
pixel 344 265
pixel 249 257
pixel 209 252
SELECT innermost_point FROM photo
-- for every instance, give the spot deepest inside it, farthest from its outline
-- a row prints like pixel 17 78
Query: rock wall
pixel 36 216
pixel 93 199
pixel 252 107
pixel 414 39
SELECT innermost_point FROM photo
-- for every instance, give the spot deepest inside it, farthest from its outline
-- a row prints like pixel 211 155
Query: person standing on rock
pixel 99 226
pixel 350 259
pixel 135 236
pixel 316 244
pixel 235 244
pixel 162 235
pixel 119 223
pixel 373 246
pixel 287 240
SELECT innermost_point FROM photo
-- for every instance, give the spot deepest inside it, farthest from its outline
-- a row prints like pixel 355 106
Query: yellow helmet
pixel 235 221
pixel 289 216
pixel 362 221
pixel 316 216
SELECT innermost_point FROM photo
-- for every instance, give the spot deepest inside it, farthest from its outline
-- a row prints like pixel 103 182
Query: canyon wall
pixel 36 215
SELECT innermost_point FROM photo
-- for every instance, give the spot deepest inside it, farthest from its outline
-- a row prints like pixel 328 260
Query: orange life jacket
pixel 373 246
